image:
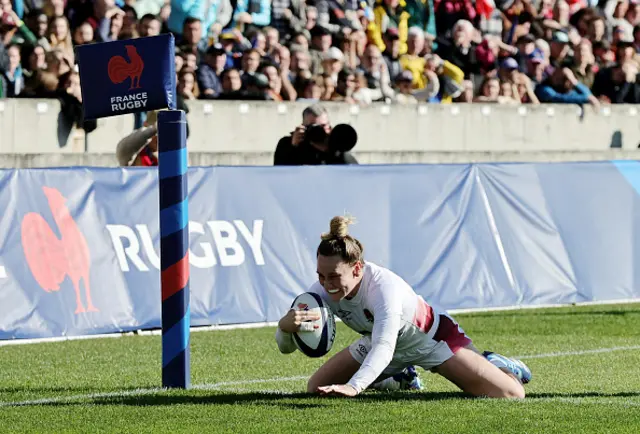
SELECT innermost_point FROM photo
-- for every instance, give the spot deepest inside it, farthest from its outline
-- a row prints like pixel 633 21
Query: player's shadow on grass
pixel 297 400
pixel 585 395
pixel 263 398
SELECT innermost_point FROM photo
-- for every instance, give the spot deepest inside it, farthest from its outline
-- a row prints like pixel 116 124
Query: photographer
pixel 312 143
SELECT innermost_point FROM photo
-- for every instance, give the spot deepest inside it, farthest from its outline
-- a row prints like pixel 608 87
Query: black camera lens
pixel 315 133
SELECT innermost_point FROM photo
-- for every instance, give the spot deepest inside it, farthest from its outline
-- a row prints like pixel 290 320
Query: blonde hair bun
pixel 338 228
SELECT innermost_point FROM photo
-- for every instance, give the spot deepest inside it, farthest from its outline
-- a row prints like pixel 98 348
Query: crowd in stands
pixel 355 51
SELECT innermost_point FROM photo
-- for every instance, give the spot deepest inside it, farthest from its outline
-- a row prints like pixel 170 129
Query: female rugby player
pixel 399 330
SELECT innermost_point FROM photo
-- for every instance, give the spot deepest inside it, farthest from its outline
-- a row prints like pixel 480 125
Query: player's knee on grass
pixel 512 391
pixel 475 375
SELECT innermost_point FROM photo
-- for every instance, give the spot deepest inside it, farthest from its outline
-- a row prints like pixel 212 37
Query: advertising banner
pixel 79 247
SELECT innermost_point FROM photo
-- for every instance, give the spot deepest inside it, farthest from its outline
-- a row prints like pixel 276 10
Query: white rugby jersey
pixel 388 310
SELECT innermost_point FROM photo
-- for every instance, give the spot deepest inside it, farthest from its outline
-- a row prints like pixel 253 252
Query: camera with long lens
pixel 315 133
pixel 342 138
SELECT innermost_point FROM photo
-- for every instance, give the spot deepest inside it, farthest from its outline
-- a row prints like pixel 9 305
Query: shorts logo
pixel 362 350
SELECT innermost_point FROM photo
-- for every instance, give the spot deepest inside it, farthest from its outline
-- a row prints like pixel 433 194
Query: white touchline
pixel 224 384
pixel 578 353
pixel 142 392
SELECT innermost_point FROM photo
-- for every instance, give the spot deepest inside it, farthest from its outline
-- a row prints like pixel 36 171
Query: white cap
pixel 334 53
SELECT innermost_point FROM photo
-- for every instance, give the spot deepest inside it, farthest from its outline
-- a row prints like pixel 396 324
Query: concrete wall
pixel 8 161
pixel 30 127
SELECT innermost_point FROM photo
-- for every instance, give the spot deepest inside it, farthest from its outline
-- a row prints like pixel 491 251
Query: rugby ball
pixel 318 342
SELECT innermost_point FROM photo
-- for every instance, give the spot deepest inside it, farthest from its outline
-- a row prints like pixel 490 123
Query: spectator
pixel 192 37
pixel 38 23
pixel 328 86
pixel 389 14
pixel 563 87
pixel 190 59
pixel 60 38
pixel 391 54
pixel 619 84
pixel 508 70
pixel 216 17
pixel 209 72
pixel 309 90
pixel 338 16
pixel 250 14
pixel 332 63
pixel 404 85
pixel 525 89
pixel 98 14
pixel 300 62
pixel 274 91
pixel 181 11
pixel 346 86
pixel 71 113
pixel 258 42
pixel 231 84
pixel 559 48
pixel 149 25
pixel 320 43
pixel 83 34
pixel 288 16
pixel 444 81
pixel 129 23
pixel 139 148
pixel 489 90
pixel 461 50
pixel 376 73
pixel 250 63
pixel 537 67
pixel 583 63
pixel 187 85
pixel 413 60
pixel 13 78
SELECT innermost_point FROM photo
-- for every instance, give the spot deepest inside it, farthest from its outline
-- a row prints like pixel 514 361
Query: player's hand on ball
pixel 337 390
pixel 298 320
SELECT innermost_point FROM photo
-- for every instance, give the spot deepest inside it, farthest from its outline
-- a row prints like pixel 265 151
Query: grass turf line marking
pixel 215 386
pixel 143 392
pixel 577 353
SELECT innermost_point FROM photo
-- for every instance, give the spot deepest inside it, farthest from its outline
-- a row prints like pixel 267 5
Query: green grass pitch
pixel 585 363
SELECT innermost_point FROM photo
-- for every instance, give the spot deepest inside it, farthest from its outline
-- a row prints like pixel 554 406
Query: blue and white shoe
pixel 409 379
pixel 515 366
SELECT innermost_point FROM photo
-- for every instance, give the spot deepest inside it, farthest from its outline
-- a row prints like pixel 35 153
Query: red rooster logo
pixel 51 259
pixel 119 69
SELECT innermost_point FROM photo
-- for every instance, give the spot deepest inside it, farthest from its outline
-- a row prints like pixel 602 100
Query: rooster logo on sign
pixel 52 259
pixel 119 69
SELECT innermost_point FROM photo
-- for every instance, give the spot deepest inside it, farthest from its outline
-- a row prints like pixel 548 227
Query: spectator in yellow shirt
pixel 411 60
pixel 388 14
pixel 444 81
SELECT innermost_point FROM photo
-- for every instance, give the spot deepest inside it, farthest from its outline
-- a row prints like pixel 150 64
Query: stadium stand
pixel 402 52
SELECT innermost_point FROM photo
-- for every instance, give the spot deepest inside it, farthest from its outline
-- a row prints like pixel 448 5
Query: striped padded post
pixel 174 248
